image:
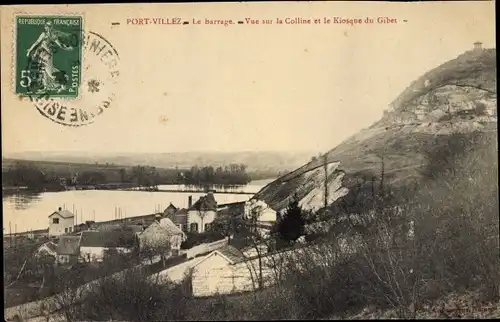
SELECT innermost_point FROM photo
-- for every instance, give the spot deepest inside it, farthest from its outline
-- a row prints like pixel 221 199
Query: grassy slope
pixel 402 148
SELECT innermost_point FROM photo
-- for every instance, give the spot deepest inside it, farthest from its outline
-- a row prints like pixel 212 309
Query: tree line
pixel 233 174
pixel 36 177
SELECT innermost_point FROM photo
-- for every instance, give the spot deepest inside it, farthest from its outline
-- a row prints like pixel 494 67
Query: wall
pixel 216 275
pixel 268 215
pixel 209 274
pixel 58 229
pixel 194 217
pixel 97 253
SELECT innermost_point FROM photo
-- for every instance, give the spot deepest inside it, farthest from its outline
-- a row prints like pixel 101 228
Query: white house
pixel 93 244
pixel 229 270
pixel 202 213
pixel 162 232
pixel 61 222
pixel 259 208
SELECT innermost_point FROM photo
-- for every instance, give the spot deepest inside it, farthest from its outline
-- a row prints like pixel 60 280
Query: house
pixel 229 270
pixel 68 250
pixel 61 222
pixel 93 244
pixel 47 249
pixel 179 218
pixel 234 209
pixel 202 213
pixel 259 212
pixel 170 210
pixel 162 232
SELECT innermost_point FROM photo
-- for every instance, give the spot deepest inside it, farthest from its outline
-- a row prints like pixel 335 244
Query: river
pixel 28 211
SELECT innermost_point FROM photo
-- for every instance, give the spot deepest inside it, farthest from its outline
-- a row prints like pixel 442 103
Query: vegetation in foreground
pixel 431 252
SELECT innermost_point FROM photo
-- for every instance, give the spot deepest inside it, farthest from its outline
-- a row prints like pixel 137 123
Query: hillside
pixel 457 96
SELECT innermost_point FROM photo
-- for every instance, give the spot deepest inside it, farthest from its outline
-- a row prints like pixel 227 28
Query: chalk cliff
pixel 457 96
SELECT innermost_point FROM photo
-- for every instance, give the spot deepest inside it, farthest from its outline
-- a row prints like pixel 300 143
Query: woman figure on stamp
pixel 42 54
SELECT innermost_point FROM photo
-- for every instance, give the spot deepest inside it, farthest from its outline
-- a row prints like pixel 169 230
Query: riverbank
pixel 117 187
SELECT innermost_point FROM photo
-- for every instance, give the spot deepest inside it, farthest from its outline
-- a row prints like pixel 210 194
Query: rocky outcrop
pixel 457 96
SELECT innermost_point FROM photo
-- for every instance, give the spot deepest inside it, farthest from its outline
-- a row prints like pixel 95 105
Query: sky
pixel 247 87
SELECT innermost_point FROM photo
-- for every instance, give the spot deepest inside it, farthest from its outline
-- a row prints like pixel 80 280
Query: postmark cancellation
pixel 67 72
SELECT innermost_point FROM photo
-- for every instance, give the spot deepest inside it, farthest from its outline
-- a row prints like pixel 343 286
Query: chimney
pixel 190 201
pixel 158 218
pixel 478 45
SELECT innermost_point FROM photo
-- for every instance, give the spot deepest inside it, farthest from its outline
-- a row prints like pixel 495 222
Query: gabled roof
pixel 171 206
pixel 63 213
pixel 50 246
pixel 168 227
pixel 230 253
pixel 108 239
pixel 182 211
pixel 68 245
pixel 205 203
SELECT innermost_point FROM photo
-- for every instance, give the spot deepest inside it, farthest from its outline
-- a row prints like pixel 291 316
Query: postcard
pixel 238 161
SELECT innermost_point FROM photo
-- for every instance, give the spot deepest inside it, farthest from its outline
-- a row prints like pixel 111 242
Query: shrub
pixel 194 239
pixel 134 297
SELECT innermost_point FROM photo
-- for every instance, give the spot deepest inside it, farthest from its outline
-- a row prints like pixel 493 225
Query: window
pixel 194 227
pixel 179 226
pixel 55 220
pixel 65 230
pixel 207 227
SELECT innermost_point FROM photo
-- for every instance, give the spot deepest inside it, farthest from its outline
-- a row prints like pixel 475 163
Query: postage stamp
pixel 68 73
pixel 48 55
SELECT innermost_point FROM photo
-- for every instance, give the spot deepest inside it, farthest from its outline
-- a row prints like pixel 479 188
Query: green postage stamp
pixel 48 58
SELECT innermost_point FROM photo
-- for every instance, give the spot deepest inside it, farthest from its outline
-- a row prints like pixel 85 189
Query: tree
pixel 290 226
pixel 123 174
pixel 152 249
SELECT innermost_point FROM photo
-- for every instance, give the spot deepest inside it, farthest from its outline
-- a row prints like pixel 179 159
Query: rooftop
pixel 68 245
pixel 182 211
pixel 205 203
pixel 63 213
pixel 169 227
pixel 171 208
pixel 120 227
pixel 231 253
pixel 50 245
pixel 124 239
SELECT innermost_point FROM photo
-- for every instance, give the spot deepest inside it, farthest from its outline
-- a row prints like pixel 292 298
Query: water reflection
pixel 29 211
pixel 21 200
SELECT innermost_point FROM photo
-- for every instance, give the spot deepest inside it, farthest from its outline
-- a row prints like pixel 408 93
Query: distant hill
pixel 458 96
pixel 261 162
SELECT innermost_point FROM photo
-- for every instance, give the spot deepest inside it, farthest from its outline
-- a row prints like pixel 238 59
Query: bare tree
pixel 154 249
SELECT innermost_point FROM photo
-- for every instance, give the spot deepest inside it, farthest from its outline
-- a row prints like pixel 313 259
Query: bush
pixel 134 297
pixel 194 239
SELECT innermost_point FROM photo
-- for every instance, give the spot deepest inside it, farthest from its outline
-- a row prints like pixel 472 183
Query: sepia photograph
pixel 250 161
